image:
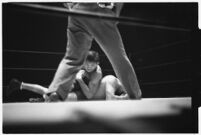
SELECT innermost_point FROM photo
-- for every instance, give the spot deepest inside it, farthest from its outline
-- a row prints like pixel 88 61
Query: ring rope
pixel 161 47
pixel 107 70
pixel 165 82
pixel 164 64
pixel 124 20
pixel 32 69
pixel 135 53
pixel 157 65
pixel 147 83
pixel 37 52
pixel 40 52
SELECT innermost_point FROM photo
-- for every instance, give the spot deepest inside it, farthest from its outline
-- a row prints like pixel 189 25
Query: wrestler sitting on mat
pixel 89 84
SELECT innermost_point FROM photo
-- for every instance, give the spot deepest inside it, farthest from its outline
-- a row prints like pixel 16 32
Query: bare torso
pixel 95 77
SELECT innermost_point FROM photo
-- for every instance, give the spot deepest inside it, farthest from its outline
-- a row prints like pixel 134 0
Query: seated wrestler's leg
pixel 113 88
pixel 34 88
pixel 39 90
pixel 72 97
pixel 16 85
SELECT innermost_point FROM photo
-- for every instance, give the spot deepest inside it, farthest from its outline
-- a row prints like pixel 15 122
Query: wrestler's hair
pixel 93 56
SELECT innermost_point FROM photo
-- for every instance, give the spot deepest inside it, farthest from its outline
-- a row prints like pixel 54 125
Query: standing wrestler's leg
pixel 78 45
pixel 109 39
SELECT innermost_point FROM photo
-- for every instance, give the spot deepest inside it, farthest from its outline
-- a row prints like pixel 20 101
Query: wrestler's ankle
pixel 21 85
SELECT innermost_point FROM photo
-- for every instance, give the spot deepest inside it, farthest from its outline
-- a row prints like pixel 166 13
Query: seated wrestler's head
pixel 91 61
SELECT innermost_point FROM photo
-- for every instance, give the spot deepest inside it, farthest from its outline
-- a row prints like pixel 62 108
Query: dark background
pixel 34 44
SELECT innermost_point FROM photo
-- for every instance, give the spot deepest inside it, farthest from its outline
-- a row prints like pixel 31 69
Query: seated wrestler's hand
pixel 79 75
pixel 119 92
pixel 118 95
pixel 124 96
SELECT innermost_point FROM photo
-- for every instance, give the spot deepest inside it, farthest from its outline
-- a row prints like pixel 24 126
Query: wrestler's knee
pixel 109 79
pixel 71 97
pixel 110 83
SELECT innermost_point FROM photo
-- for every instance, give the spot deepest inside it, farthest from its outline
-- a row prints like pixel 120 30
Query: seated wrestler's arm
pixel 91 89
pixel 83 85
pixel 123 96
pixel 95 80
pixel 114 96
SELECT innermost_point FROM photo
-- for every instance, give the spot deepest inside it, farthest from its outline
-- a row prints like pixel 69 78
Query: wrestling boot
pixel 14 85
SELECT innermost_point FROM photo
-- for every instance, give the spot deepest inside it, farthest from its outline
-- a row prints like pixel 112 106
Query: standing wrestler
pixel 81 31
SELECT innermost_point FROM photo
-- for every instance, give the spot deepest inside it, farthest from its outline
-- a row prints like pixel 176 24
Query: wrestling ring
pixel 157 115
pixel 148 115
